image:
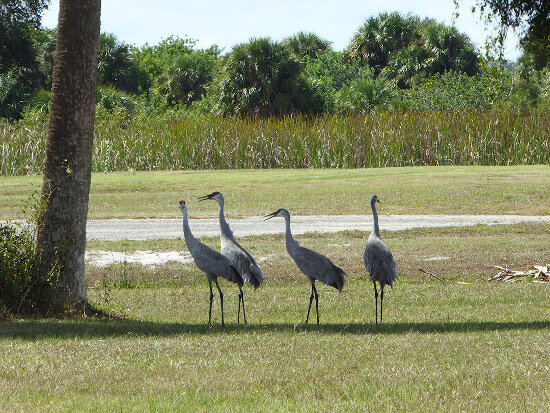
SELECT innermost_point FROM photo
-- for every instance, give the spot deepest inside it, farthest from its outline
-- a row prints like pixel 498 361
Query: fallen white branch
pixel 538 272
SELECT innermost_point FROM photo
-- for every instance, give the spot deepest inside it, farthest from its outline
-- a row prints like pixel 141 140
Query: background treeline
pixel 405 91
pixel 392 62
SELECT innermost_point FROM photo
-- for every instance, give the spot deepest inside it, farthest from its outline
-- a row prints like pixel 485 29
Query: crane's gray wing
pixel 245 263
pixel 319 267
pixel 213 262
pixel 379 262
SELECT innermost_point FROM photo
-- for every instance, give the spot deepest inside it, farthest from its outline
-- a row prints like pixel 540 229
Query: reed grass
pixel 379 139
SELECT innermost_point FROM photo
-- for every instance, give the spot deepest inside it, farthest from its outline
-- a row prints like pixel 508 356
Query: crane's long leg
pixel 310 301
pixel 241 298
pixel 210 311
pixel 316 301
pixel 239 310
pixel 244 312
pixel 221 301
pixel 376 301
pixel 381 302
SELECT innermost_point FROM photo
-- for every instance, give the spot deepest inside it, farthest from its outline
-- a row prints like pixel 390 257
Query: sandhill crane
pixel 379 260
pixel 213 264
pixel 237 255
pixel 314 265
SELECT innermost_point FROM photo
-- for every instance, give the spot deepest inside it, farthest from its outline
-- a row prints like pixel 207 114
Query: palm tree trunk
pixel 61 232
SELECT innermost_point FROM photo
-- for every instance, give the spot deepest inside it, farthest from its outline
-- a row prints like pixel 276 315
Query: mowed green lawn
pixel 452 347
pixel 521 190
pixel 466 344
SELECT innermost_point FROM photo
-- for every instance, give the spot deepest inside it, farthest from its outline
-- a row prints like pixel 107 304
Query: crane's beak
pixel 205 197
pixel 377 200
pixel 272 215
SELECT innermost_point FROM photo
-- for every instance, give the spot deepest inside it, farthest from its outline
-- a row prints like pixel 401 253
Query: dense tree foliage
pixel 329 72
pixel 389 55
pixel 45 40
pixel 154 60
pixel 20 57
pixel 18 22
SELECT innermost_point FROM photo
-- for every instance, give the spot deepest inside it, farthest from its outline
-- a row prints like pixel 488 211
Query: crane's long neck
pixel 224 226
pixel 375 228
pixel 291 243
pixel 190 239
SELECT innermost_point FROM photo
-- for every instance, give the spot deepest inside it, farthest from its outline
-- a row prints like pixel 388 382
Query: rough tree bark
pixel 61 232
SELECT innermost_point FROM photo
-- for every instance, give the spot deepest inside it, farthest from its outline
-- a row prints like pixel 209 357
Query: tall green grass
pixel 375 140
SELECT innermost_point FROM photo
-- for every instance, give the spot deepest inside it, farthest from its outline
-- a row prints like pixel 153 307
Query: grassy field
pixel 464 344
pixel 520 190
pixel 442 348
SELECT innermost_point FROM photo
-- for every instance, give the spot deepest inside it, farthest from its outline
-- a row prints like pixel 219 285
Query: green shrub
pixel 21 293
pixel 458 91
pixel 17 247
pixel 112 102
pixel 329 72
pixel 40 102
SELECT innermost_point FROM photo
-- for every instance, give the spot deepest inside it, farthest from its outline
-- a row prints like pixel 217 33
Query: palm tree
pixel 61 232
pixel 381 36
pixel 406 64
pixel 186 78
pixel 365 94
pixel 115 67
pixel 448 49
pixel 262 78
pixel 306 45
pixel 405 48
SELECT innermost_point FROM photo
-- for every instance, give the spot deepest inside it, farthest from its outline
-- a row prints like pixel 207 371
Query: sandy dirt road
pixel 143 229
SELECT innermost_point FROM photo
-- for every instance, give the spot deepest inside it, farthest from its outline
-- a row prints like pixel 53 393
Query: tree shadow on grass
pixel 102 328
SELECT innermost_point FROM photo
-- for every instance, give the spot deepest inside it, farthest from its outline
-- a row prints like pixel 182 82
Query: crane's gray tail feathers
pixel 255 282
pixel 236 277
pixel 395 277
pixel 338 281
pixel 254 277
